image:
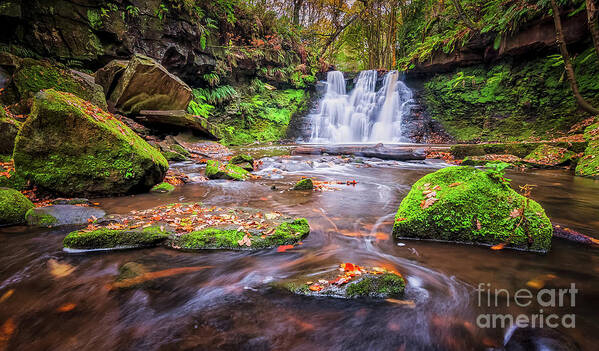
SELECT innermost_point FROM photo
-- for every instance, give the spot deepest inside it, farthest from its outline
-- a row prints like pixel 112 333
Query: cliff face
pixel 533 39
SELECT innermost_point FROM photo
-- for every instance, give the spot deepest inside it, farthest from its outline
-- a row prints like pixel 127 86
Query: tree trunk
pixel 336 34
pixel 463 15
pixel 593 19
pixel 559 34
pixel 297 5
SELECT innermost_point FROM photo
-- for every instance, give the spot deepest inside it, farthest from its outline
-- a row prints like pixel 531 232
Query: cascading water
pixel 365 115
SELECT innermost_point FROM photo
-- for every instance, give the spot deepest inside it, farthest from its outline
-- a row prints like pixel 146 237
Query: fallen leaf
pixel 400 219
pixel 7 295
pixel 454 184
pixel 66 307
pixel 428 202
pixel 516 212
pixel 407 303
pixel 498 246
pixel 478 225
pixel 59 270
pixel 284 248
pixel 6 331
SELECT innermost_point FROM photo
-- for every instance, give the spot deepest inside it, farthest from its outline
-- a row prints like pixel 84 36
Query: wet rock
pixel 244 161
pixel 73 201
pixel 163 187
pixel 467 205
pixel 216 170
pixel 13 206
pixel 286 233
pixel 50 216
pixel 105 238
pixel 137 88
pixel 549 156
pixel 68 146
pixel 588 165
pixel 350 281
pixel 9 128
pixel 181 119
pixel 109 75
pixel 304 184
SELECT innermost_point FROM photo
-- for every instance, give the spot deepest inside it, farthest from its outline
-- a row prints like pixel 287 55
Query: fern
pixel 212 78
pixel 217 95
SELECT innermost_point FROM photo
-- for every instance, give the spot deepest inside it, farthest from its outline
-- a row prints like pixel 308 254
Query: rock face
pixel 9 128
pixel 30 76
pixel 588 165
pixel 62 215
pixel 13 206
pixel 147 85
pixel 70 147
pixel 463 204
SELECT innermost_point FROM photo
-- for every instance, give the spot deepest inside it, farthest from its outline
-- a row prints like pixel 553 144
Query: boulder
pixel 9 128
pixel 304 184
pixel 31 76
pixel 146 85
pixel 108 76
pixel 105 238
pixel 244 161
pixel 71 147
pixel 180 119
pixel 50 216
pixel 216 170
pixel 549 156
pixel 13 207
pixel 588 165
pixel 467 205
pixel 163 187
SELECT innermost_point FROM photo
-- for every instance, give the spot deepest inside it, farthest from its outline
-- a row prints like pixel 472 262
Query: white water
pixel 363 116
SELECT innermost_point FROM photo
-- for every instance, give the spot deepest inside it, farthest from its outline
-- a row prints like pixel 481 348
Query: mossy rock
pixel 33 75
pixel 521 150
pixel 50 216
pixel 550 156
pixel 244 161
pixel 286 233
pixel 13 207
pixel 485 159
pixel 304 184
pixel 9 128
pixel 35 218
pixel 105 238
pixel 216 170
pixel 588 165
pixel 471 206
pixel 163 187
pixel 70 147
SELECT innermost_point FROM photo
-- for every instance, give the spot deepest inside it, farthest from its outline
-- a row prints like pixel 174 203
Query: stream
pixel 232 306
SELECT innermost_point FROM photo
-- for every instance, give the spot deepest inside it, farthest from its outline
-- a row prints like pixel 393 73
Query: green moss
pixel 547 155
pixel 66 148
pixel 212 238
pixel 33 76
pixel 241 158
pixel 517 149
pixel 173 156
pixel 304 184
pixel 180 150
pixel 385 285
pixel 163 187
pixel 13 206
pixel 39 219
pixel 588 165
pixel 216 170
pixel 469 199
pixel 106 238
pixel 510 101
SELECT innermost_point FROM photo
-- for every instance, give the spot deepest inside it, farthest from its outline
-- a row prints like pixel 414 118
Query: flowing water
pixel 231 305
pixel 363 115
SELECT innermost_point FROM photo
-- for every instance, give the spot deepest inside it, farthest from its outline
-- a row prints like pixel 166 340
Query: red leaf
pixel 284 248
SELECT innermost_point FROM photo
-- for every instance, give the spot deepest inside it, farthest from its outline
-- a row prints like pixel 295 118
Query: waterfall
pixel 365 115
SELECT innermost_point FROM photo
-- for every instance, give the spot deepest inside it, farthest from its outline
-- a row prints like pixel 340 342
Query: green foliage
pixel 387 285
pixel 13 206
pixel 216 95
pixel 496 170
pixel 161 12
pixel 104 238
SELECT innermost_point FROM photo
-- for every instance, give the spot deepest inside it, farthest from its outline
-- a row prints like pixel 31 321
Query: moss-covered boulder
pixel 13 207
pixel 105 238
pixel 286 233
pixel 549 156
pixel 467 205
pixel 588 165
pixel 492 158
pixel 71 147
pixel 217 170
pixel 350 281
pixel 147 85
pixel 244 161
pixel 304 184
pixel 9 128
pixel 31 76
pixel 163 187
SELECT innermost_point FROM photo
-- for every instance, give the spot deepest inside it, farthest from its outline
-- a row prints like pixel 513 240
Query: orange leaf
pixel 66 307
pixel 284 248
pixel 400 219
pixel 498 246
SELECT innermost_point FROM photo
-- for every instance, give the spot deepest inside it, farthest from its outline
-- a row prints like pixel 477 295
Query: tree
pixel 593 19
pixel 561 42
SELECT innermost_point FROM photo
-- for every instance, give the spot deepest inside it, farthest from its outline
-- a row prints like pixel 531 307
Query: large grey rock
pixel 147 85
pixel 62 215
pixel 109 75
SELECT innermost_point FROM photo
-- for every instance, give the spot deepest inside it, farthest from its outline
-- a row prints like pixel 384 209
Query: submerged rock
pixel 304 184
pixel 147 85
pixel 105 238
pixel 464 204
pixel 216 170
pixel 62 215
pixel 68 146
pixel 588 165
pixel 13 206
pixel 351 281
